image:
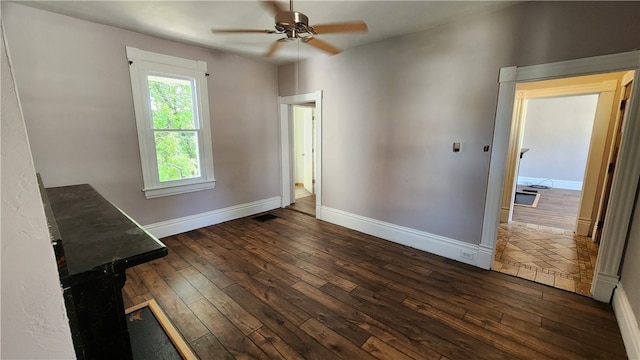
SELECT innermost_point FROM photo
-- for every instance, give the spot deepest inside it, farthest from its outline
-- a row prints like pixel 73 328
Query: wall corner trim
pixel 628 322
pixel 176 226
pixel 435 244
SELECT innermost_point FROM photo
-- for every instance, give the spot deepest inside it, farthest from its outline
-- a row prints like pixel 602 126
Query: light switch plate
pixel 456 147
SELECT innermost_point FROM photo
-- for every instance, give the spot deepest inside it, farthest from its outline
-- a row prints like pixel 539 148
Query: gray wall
pixel 392 109
pixel 76 94
pixel 558 133
pixel 630 275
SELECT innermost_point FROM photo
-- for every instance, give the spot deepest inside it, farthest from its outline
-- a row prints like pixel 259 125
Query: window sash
pixel 194 102
pixel 143 65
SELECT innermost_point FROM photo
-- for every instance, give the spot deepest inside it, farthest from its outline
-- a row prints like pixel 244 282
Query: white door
pixel 308 150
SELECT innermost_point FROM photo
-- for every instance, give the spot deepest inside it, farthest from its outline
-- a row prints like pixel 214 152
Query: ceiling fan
pixel 295 25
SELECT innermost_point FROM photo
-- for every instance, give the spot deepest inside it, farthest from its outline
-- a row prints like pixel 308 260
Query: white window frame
pixel 144 63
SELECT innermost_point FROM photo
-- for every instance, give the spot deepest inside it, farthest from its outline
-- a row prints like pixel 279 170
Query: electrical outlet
pixel 466 255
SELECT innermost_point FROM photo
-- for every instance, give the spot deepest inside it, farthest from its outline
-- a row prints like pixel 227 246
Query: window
pixel 172 117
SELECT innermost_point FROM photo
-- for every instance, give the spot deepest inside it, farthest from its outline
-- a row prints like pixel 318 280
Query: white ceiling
pixel 192 21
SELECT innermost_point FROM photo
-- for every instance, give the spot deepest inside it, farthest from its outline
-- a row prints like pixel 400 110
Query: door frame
pixel 595 167
pixel 287 186
pixel 625 180
pixel 612 157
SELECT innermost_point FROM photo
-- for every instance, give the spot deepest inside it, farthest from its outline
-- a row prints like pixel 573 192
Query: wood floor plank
pixel 382 350
pixel 273 345
pixel 333 341
pixel 524 338
pixel 582 350
pixel 318 311
pixel 274 320
pixel 208 347
pixel 233 311
pixel 229 336
pixel 297 288
pixel 490 338
pixel 378 329
pixel 416 328
pixel 198 259
pixel 591 336
pixel 181 316
pixel 568 316
pixel 177 282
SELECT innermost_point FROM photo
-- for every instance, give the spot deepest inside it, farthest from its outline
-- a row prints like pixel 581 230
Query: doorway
pixel 304 161
pixel 571 125
pixel 624 183
pixel 307 106
pixel 551 168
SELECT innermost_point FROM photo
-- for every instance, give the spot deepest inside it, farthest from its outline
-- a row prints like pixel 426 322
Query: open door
pixel 309 155
pixel 613 157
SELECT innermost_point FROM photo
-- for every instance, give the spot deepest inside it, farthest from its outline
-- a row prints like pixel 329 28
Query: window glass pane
pixel 177 154
pixel 171 103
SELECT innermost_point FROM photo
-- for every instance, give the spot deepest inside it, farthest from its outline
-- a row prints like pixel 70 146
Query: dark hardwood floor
pixel 297 288
pixel 305 205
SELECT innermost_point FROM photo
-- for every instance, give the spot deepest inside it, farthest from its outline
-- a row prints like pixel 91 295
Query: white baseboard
pixel 584 226
pixel 627 322
pixel 559 184
pixel 192 222
pixel 436 244
pixel 603 285
pixel 504 215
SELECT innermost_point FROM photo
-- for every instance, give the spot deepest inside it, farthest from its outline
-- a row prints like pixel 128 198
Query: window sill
pixel 156 192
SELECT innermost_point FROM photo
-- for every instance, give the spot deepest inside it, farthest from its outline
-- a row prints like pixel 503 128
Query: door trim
pixel 286 144
pixel 594 167
pixel 625 181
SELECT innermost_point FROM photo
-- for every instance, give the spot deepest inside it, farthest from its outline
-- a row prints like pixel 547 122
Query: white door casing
pixel 625 181
pixel 286 141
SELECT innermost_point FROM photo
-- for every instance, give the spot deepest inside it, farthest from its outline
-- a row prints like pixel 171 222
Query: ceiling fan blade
pixel 274 47
pixel 322 45
pixel 343 27
pixel 242 31
pixel 274 6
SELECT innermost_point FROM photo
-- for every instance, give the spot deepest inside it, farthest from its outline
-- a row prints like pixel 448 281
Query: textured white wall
pixel 34 323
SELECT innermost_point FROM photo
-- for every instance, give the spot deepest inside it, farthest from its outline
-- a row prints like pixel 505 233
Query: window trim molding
pixel 141 63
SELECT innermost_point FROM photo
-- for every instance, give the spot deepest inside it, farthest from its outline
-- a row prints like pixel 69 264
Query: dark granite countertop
pixel 98 239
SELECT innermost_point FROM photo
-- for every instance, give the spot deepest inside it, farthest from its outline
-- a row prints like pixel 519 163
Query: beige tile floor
pixel 551 256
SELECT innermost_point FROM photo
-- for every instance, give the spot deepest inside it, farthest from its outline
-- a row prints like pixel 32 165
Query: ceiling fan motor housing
pixel 292 22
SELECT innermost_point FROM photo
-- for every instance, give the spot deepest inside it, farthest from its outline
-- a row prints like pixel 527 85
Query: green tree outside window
pixel 172 113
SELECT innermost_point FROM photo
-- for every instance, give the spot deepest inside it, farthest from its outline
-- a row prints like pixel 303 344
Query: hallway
pixel 540 244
